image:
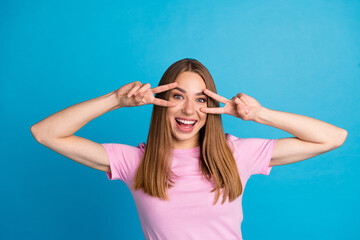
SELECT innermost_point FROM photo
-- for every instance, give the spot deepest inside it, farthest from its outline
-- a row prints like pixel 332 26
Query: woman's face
pixel 189 97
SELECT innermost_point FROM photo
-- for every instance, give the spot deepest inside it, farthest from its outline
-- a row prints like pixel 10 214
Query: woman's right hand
pixel 138 94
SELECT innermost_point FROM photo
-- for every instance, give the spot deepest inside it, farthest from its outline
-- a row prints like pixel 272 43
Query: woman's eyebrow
pixel 182 90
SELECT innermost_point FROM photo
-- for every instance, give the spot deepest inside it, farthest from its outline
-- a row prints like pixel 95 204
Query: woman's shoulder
pixel 125 148
pixel 248 144
pixel 231 137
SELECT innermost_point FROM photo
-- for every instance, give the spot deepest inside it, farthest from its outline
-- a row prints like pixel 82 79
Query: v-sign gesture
pixel 138 94
pixel 241 106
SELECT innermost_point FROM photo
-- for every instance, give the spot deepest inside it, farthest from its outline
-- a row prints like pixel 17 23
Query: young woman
pixel 188 163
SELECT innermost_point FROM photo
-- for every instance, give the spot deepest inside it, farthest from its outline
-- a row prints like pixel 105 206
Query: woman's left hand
pixel 241 106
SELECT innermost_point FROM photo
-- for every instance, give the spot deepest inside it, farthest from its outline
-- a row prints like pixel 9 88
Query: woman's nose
pixel 188 108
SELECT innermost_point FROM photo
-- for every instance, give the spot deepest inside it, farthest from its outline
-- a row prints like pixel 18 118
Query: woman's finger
pixel 215 96
pixel 133 90
pixel 164 103
pixel 243 98
pixel 215 110
pixel 241 105
pixel 237 100
pixel 140 94
pixel 164 88
pixel 240 108
pixel 144 87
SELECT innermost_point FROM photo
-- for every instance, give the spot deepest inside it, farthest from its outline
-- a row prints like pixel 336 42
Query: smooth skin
pixel 312 137
pixel 189 98
pixel 57 131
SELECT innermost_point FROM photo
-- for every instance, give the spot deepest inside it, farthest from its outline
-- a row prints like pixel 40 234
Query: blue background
pixel 294 56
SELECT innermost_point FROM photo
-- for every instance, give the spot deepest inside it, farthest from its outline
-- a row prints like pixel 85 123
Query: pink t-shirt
pixel 190 214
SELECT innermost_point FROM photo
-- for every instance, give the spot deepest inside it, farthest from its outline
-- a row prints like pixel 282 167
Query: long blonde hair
pixel 217 163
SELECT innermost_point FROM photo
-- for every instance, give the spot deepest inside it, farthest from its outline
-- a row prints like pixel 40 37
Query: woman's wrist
pixel 261 116
pixel 113 100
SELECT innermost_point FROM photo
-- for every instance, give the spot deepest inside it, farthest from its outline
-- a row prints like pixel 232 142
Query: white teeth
pixel 185 121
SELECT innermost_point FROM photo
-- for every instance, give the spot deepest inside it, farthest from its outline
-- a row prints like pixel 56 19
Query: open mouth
pixel 184 123
pixel 185 126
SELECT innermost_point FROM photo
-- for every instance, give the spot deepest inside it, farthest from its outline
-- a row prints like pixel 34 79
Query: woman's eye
pixel 175 95
pixel 202 100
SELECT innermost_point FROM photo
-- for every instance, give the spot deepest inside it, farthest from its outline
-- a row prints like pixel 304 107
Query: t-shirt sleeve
pixel 255 153
pixel 123 160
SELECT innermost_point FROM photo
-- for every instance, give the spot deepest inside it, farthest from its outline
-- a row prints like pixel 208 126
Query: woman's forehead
pixel 190 82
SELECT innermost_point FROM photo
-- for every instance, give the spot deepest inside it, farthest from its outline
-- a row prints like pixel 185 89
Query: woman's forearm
pixel 302 127
pixel 69 120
